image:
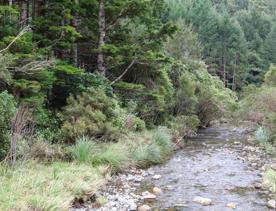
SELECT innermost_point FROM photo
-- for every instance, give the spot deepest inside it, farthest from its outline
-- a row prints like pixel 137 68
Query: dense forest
pixel 97 86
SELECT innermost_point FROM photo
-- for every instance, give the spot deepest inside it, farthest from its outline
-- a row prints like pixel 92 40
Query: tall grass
pixel 84 150
pixel 156 152
pixel 115 155
pixel 35 186
pixel 270 179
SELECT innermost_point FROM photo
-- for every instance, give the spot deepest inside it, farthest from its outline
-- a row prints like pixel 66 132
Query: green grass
pixel 270 179
pixel 34 186
pixel 53 186
pixel 83 150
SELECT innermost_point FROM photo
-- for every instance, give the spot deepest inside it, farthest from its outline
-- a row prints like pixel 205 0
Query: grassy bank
pixel 34 185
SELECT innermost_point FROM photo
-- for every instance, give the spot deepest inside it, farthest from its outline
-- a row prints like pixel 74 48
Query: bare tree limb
pixel 125 71
pixel 21 33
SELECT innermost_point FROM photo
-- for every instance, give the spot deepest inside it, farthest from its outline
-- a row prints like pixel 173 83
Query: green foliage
pixel 155 152
pixel 183 126
pixel 270 179
pixel 270 76
pixel 92 114
pixel 269 49
pixel 87 151
pixel 185 99
pixel 261 135
pixel 83 150
pixel 7 110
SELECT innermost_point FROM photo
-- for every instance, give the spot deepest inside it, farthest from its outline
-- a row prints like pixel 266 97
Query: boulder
pixel 203 201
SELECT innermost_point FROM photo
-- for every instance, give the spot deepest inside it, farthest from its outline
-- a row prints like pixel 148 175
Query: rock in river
pixel 202 201
pixel 271 204
pixel 148 196
pixel 156 177
pixel 156 191
pixel 231 205
pixel 144 208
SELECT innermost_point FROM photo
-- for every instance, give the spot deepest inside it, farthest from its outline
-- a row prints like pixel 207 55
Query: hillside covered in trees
pixel 91 87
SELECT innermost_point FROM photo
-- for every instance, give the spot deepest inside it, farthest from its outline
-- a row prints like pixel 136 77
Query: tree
pixel 269 49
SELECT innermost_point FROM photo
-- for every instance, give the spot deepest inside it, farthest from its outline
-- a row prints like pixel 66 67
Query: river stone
pixel 231 205
pixel 156 191
pixel 271 204
pixel 148 196
pixel 156 177
pixel 202 201
pixel 144 208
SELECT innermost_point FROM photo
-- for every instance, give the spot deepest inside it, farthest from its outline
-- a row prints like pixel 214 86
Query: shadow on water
pixel 207 167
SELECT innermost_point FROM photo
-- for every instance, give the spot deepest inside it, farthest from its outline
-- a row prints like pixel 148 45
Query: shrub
pixel 91 114
pixel 185 99
pixel 7 110
pixel 270 76
pixel 261 135
pixel 134 123
pixel 185 125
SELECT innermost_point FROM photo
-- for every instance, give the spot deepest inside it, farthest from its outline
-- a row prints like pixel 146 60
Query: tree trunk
pixel 102 34
pixel 75 45
pixel 224 72
pixel 24 12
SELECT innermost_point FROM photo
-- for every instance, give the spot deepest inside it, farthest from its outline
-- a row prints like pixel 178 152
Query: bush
pixel 185 99
pixel 270 76
pixel 261 135
pixel 184 126
pixel 92 114
pixel 7 110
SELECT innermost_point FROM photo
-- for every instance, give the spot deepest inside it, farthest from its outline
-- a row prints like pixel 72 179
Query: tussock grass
pixel 34 186
pixel 53 186
pixel 156 151
pixel 270 179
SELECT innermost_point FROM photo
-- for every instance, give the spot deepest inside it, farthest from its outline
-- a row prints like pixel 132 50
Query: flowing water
pixel 209 166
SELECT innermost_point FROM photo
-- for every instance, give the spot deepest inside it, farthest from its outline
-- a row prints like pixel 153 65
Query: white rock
pixel 271 204
pixel 144 208
pixel 202 201
pixel 156 177
pixel 157 191
pixel 133 207
pixel 149 196
pixel 231 205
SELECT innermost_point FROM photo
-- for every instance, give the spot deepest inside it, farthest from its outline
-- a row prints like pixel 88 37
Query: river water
pixel 209 166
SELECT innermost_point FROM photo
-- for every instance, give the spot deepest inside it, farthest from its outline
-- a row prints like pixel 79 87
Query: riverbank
pixel 60 184
pixel 222 165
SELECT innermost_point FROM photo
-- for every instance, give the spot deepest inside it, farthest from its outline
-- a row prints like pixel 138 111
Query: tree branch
pixel 125 71
pixel 21 33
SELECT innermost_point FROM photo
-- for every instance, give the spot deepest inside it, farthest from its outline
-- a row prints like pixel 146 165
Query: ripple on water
pixel 207 167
